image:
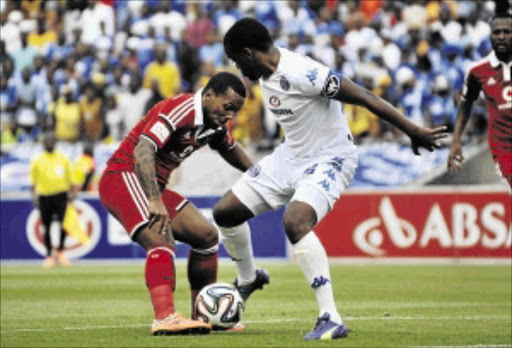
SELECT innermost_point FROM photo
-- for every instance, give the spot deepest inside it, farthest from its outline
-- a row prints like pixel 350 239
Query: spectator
pixel 199 27
pixel 163 71
pixel 411 95
pixel 26 116
pixel 441 109
pixel 51 188
pixel 91 108
pixel 226 15
pixel 10 30
pixel 66 115
pixel 114 118
pixel 156 96
pixel 91 20
pixel 132 103
pixel 24 57
pixel 247 125
pixel 42 37
pixel 212 50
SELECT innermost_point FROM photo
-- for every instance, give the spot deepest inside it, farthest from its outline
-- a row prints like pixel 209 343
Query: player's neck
pixel 272 60
pixel 504 57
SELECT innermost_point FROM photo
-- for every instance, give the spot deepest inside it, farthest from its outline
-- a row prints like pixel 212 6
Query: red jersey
pixel 176 128
pixel 493 77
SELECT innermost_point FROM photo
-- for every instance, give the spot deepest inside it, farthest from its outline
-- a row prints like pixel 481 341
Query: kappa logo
pixel 320 281
pixel 491 81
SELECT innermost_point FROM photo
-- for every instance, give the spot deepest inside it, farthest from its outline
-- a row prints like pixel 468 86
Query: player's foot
pixel 237 328
pixel 48 262
pixel 262 278
pixel 63 260
pixel 175 324
pixel 325 329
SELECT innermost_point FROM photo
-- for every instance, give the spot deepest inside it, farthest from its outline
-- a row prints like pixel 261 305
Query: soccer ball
pixel 220 304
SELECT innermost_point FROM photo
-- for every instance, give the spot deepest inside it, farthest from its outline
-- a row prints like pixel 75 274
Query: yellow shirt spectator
pixel 50 173
pixel 167 75
pixel 361 121
pixel 247 124
pixel 37 40
pixel 93 120
pixel 67 120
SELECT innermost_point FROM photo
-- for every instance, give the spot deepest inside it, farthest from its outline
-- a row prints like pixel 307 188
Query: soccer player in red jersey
pixel 133 189
pixel 492 76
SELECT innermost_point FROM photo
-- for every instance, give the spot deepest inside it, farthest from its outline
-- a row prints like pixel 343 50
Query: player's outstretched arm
pixel 455 158
pixel 144 158
pixel 349 92
pixel 237 158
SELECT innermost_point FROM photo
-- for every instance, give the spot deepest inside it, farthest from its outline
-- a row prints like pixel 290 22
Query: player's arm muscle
pixel 144 157
pixel 463 114
pixel 237 158
pixel 350 92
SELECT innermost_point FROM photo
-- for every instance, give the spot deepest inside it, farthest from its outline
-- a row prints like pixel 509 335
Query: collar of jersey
pixel 495 62
pixel 198 108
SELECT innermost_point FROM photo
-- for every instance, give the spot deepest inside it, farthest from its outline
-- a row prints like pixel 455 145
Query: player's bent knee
pixel 296 226
pixel 148 239
pixel 207 238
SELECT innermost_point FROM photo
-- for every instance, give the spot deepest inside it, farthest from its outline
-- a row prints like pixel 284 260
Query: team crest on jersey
pixel 274 101
pixel 332 85
pixel 254 171
pixel 285 84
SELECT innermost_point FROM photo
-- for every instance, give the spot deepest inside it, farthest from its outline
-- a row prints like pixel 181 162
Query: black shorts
pixel 53 205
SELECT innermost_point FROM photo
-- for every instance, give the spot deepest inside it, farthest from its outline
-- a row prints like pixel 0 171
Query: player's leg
pixel 189 226
pixel 315 195
pixel 46 211
pixel 123 197
pixel 61 201
pixel 231 216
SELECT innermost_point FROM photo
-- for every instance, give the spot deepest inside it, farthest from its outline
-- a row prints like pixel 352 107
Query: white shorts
pixel 282 177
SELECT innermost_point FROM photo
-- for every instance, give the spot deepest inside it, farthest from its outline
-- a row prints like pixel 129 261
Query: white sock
pixel 237 241
pixel 312 259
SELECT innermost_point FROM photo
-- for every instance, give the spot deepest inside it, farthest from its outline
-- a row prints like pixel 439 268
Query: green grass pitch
pixel 384 306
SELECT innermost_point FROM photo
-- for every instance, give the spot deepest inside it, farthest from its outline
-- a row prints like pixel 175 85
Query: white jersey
pixel 297 95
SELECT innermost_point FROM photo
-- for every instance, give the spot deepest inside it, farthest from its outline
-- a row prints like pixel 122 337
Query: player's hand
pixel 455 158
pixel 427 138
pixel 158 216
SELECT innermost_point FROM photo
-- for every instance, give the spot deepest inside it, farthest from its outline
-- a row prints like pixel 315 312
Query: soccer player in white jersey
pixel 309 171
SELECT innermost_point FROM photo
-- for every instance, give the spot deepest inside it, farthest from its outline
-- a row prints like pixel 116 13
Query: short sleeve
pixel 157 130
pixel 472 87
pixel 310 77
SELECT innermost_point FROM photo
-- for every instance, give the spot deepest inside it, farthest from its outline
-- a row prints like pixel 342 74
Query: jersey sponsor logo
pixel 160 131
pixel 282 111
pixel 89 221
pixel 507 96
pixel 285 84
pixel 312 75
pixel 274 101
pixel 491 81
pixel 332 85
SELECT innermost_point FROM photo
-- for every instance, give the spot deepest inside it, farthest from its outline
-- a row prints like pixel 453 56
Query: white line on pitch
pixel 267 321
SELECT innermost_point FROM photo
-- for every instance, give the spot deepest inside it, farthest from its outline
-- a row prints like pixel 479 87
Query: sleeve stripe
pixel 164 117
pixel 177 114
pixel 151 141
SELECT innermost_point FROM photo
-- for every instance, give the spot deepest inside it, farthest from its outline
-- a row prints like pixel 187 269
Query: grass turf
pixel 383 305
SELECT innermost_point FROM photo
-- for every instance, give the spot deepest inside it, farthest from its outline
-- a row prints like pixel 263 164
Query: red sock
pixel 160 280
pixel 202 270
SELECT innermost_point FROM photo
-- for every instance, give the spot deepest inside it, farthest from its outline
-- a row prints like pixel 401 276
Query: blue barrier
pixel 21 233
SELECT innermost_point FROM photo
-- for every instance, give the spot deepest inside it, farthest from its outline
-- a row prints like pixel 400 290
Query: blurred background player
pixel 51 188
pixel 492 76
pixel 85 167
pixel 132 189
pixel 309 171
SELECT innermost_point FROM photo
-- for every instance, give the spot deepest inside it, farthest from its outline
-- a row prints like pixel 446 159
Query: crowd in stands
pixel 91 69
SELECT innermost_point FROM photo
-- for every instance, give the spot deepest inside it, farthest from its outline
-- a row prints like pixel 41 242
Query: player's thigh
pixel 46 210
pixel 231 211
pixel 323 184
pixel 61 203
pixel 188 224
pixel 124 199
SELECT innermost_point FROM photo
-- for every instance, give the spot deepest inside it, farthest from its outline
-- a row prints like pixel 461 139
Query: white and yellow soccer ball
pixel 220 304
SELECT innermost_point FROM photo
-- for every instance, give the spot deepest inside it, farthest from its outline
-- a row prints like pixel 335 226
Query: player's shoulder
pixel 481 65
pixel 175 109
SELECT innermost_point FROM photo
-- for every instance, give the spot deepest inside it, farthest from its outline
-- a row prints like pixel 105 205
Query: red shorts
pixel 123 197
pixel 504 161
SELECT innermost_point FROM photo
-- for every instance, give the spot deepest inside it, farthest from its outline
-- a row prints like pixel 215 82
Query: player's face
pixel 249 67
pixel 501 36
pixel 219 109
